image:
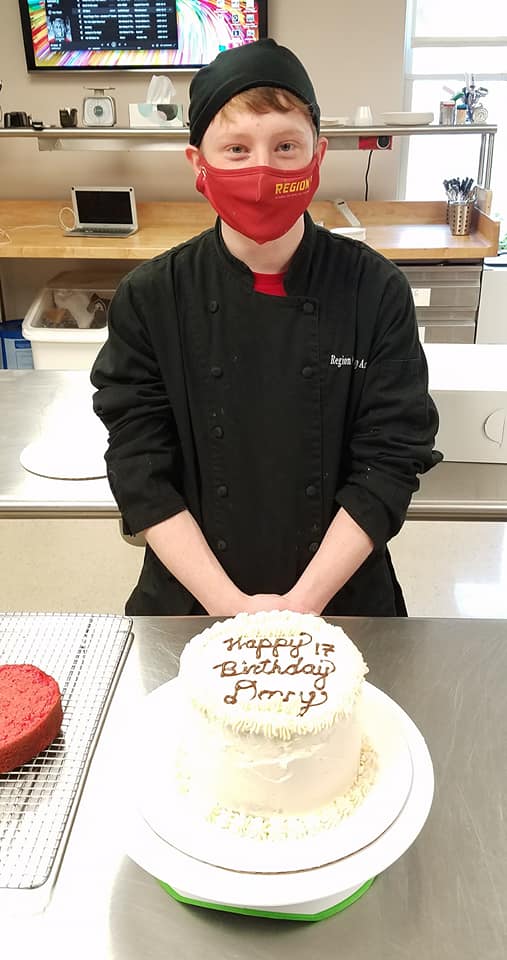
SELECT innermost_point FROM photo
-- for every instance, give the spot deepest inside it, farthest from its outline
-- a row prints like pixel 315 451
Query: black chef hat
pixel 260 64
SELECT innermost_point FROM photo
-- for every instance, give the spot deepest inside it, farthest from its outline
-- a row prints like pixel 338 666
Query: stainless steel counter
pixel 26 399
pixel 452 491
pixel 444 899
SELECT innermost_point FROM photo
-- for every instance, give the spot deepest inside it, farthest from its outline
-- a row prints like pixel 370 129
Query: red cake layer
pixel 30 713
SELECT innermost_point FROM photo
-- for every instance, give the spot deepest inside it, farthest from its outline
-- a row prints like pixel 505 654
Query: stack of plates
pixel 335 121
pixel 309 878
pixel 407 119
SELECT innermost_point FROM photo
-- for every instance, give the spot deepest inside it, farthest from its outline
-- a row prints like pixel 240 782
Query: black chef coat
pixel 262 415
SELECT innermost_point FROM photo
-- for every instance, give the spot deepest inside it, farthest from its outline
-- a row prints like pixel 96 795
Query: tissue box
pixel 156 114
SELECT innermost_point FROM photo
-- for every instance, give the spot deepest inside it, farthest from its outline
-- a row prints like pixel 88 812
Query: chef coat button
pixel 216 371
pixel 307 372
pixel 311 490
pixel 313 547
pixel 308 307
pixel 217 432
pixel 222 490
pixel 221 545
pixel 213 306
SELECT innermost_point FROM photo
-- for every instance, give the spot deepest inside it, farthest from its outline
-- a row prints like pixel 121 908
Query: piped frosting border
pixel 279 827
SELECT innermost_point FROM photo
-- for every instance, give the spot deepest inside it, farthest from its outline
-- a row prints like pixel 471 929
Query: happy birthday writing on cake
pixel 304 655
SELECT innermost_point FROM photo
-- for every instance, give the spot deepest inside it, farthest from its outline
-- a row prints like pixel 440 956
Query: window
pixel 446 44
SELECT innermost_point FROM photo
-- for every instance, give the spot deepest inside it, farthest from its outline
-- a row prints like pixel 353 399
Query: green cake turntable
pixel 299 879
pixel 293 912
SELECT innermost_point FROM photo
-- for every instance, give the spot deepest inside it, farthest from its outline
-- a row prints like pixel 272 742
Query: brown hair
pixel 266 99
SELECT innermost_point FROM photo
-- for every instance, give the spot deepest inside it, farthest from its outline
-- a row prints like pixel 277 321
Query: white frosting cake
pixel 270 716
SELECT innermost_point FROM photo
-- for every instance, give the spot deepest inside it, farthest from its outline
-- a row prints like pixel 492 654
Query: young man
pixel 263 384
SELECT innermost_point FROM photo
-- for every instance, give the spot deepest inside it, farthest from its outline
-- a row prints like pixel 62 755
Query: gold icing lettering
pixel 239 686
pixel 310 701
pixel 271 665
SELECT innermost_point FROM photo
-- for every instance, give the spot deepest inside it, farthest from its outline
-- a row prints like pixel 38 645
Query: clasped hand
pixel 273 601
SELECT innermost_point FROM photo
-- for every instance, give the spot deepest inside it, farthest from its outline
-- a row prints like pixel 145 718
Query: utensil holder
pixel 68 117
pixel 459 216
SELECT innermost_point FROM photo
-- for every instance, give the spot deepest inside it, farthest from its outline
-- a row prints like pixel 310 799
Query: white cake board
pixel 69 440
pixel 64 460
pixel 170 814
pixel 306 894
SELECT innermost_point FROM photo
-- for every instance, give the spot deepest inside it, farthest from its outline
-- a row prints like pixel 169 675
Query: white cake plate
pixel 304 894
pixel 184 825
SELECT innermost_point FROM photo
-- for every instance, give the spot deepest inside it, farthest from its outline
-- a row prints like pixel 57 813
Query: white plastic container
pixel 469 386
pixel 62 347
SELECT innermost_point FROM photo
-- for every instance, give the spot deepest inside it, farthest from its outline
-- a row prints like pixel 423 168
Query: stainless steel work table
pixel 444 899
pixel 451 491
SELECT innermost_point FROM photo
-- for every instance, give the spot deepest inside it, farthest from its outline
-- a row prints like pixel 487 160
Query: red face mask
pixel 262 203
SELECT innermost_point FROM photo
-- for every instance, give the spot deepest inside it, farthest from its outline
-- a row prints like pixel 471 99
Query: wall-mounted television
pixel 136 34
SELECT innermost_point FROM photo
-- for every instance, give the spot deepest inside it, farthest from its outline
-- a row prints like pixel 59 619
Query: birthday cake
pixel 271 736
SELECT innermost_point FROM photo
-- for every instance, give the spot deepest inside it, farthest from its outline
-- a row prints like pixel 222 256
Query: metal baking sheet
pixel 85 654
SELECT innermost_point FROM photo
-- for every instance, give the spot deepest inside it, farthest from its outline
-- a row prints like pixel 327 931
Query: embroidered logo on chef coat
pixel 355 362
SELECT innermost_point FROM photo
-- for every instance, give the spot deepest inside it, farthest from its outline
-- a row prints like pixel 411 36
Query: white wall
pixel 353 51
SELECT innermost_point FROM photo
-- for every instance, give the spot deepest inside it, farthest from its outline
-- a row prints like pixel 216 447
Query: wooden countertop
pixel 415 230
pixel 400 230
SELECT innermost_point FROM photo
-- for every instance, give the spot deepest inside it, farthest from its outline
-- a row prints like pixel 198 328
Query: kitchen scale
pixel 307 878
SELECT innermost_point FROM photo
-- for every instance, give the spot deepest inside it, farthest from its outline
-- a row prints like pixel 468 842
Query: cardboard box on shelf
pixel 15 349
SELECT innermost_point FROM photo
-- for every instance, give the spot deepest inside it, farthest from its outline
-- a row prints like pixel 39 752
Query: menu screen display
pixel 136 34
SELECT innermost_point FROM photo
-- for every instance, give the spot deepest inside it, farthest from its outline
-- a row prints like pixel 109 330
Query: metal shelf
pixel 406 131
pixel 180 134
pixel 176 138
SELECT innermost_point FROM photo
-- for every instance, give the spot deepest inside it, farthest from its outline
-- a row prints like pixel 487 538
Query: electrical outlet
pixel 381 142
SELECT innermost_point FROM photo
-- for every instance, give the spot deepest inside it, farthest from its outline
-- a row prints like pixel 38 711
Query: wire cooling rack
pixel 84 653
